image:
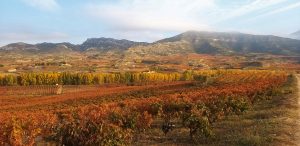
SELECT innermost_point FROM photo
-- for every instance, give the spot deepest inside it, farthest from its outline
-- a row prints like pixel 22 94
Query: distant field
pixel 78 95
pixel 130 110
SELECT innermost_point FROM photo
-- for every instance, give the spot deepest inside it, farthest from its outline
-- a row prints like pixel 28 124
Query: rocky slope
pixel 107 44
pixel 228 43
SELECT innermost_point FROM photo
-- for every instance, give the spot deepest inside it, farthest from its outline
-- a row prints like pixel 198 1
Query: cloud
pixel 141 36
pixel 28 37
pixel 153 15
pixel 280 10
pixel 46 5
pixel 173 15
pixel 250 8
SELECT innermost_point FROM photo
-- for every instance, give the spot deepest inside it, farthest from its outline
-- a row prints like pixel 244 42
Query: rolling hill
pixel 40 48
pixel 96 44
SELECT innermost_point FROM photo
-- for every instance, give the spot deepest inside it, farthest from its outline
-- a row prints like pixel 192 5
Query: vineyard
pixel 117 108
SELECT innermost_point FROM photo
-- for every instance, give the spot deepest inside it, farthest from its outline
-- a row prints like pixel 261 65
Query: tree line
pixel 67 78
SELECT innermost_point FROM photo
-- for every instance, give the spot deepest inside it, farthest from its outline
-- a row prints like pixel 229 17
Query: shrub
pixel 84 131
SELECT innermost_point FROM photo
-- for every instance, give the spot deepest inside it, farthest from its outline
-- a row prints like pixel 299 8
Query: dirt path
pixel 287 118
pixel 298 121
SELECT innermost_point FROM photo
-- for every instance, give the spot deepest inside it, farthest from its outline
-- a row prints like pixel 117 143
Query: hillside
pixel 189 50
pixel 40 48
pixel 108 44
pixel 192 41
pixel 236 43
pixel 98 44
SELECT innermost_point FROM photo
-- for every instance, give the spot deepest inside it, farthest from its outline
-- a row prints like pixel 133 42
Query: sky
pixel 36 21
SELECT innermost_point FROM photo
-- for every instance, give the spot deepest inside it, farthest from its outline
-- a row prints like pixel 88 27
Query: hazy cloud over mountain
pixel 143 20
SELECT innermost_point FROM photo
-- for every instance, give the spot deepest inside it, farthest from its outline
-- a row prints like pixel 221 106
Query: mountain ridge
pixel 235 42
pixel 201 42
pixel 108 43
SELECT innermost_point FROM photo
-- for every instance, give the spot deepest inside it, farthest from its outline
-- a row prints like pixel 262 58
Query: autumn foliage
pixel 66 78
pixel 211 96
